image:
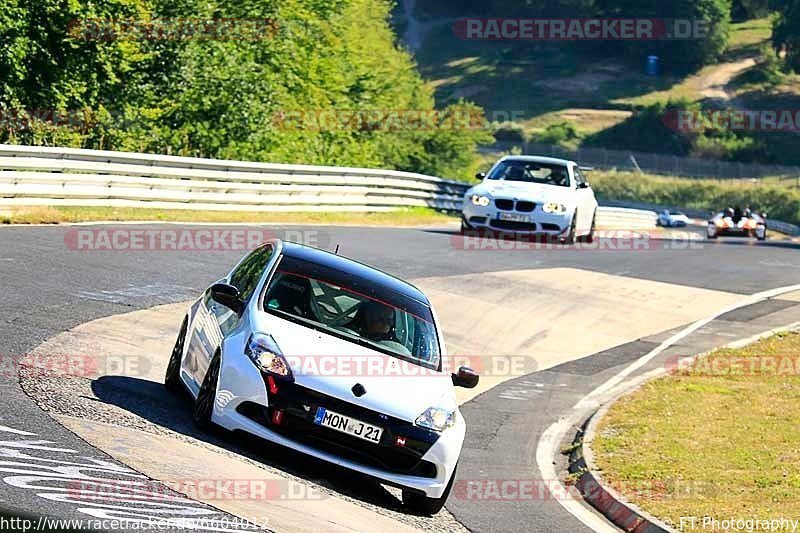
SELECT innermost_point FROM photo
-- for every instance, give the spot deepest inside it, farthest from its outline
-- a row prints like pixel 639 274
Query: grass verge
pixel 415 216
pixel 719 439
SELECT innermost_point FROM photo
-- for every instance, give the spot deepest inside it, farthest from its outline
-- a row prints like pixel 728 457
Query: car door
pixel 586 202
pixel 214 321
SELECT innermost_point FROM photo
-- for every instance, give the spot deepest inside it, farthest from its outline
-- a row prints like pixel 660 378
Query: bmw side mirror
pixel 229 296
pixel 466 377
pixel 480 176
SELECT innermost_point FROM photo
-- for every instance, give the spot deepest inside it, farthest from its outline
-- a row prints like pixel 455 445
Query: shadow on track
pixel 151 401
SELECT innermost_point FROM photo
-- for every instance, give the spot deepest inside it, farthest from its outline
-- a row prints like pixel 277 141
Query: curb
pixel 604 499
pixel 608 502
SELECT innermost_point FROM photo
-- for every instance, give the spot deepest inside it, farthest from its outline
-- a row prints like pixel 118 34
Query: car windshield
pixel 532 172
pixel 676 214
pixel 338 304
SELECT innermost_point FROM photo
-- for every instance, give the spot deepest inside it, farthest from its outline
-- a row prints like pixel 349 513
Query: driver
pixel 515 174
pixel 378 320
pixel 559 177
pixel 729 213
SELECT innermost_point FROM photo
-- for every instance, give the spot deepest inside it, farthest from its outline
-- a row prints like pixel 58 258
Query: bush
pixel 509 134
pixel 654 129
pixel 562 133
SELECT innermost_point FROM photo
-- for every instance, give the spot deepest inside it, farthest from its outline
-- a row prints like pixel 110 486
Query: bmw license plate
pixel 513 217
pixel 348 425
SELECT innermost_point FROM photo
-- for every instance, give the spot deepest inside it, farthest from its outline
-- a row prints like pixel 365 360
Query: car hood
pixel 333 366
pixel 534 192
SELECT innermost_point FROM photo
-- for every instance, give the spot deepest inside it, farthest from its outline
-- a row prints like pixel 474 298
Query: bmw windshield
pixel 531 172
pixel 353 309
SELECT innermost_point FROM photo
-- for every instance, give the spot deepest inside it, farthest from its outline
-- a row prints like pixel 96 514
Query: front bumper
pixel 424 465
pixel 736 232
pixel 540 223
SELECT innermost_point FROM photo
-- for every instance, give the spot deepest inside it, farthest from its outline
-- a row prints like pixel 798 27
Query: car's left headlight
pixel 436 418
pixel 265 354
pixel 553 208
pixel 480 200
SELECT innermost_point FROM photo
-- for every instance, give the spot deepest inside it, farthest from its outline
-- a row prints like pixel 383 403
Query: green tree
pixel 224 97
pixel 786 32
pixel 677 55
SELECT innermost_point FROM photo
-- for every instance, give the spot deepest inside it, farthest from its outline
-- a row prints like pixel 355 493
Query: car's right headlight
pixel 436 418
pixel 480 200
pixel 553 208
pixel 265 354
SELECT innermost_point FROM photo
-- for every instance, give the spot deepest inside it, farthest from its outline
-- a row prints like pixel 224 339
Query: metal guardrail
pixel 32 175
pixel 66 176
pixel 618 217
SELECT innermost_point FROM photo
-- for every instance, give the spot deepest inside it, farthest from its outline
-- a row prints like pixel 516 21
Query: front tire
pixel 570 238
pixel 422 505
pixel 204 404
pixel 172 379
pixel 589 237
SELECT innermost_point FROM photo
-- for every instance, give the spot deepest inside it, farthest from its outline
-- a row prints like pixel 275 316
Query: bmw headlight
pixel 436 419
pixel 552 208
pixel 265 354
pixel 480 201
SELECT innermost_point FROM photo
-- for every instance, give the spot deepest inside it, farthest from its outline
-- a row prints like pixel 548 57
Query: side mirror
pixel 229 296
pixel 466 377
pixel 480 176
pixel 584 185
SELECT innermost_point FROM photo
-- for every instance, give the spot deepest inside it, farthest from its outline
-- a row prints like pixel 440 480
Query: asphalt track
pixel 50 289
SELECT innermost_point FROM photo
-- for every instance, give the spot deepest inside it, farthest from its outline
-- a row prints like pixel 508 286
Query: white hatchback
pixel 329 357
pixel 532 195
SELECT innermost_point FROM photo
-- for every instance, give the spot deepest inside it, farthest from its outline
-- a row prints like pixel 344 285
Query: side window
pixel 248 273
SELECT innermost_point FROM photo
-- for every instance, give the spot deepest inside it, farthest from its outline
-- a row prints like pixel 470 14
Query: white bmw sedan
pixel 532 195
pixel 329 357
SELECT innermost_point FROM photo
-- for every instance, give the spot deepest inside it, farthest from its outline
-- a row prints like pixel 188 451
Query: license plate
pixel 513 217
pixel 348 425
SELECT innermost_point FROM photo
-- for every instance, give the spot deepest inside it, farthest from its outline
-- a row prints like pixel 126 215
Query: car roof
pixel 539 159
pixel 351 266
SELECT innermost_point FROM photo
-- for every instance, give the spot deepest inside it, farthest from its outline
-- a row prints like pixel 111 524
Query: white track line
pixel 552 437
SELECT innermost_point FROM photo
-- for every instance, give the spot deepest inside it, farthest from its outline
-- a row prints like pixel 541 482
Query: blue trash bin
pixel 652 66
